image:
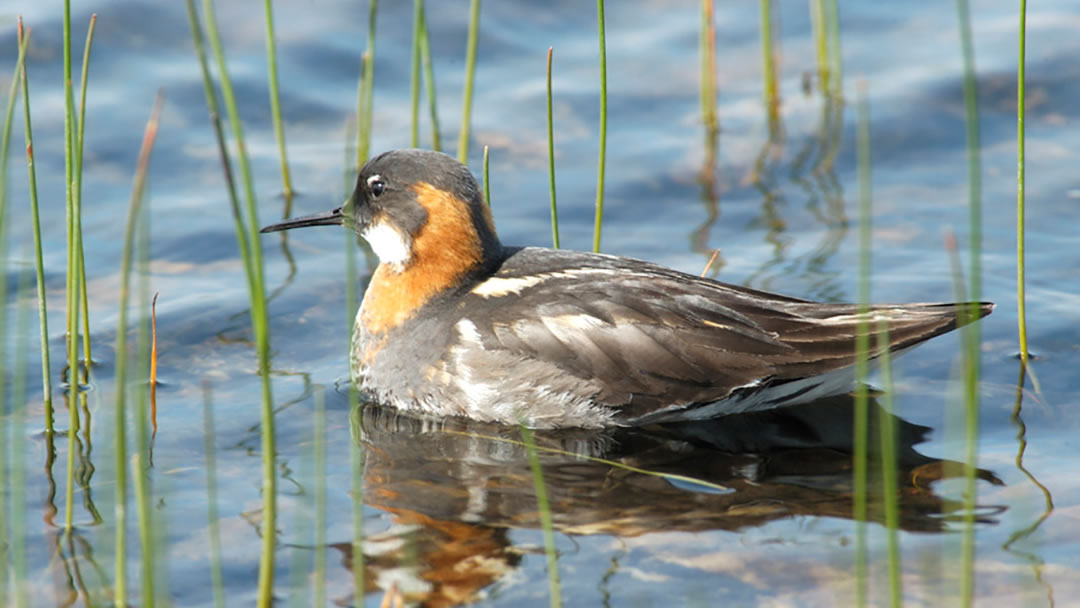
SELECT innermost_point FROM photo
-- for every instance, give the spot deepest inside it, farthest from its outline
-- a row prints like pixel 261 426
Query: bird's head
pixel 415 207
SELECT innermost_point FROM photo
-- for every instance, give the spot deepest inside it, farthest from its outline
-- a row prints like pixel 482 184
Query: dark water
pixel 450 512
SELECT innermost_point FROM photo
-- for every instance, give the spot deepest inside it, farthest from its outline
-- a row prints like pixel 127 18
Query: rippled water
pixel 449 510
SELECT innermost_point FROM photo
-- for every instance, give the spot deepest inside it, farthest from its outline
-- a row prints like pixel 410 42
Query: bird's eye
pixel 376 184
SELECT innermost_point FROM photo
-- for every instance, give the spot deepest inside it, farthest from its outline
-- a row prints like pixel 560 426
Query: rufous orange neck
pixel 445 249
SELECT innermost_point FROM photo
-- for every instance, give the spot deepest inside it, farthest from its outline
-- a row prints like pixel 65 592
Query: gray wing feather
pixel 657 338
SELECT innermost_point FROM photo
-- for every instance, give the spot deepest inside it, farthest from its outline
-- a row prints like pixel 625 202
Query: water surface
pixel 449 512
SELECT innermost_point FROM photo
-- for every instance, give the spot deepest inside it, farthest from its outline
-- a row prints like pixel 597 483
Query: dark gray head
pixel 410 204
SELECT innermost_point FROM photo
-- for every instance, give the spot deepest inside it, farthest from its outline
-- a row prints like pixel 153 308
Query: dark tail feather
pixel 826 346
pixel 950 316
pixel 964 311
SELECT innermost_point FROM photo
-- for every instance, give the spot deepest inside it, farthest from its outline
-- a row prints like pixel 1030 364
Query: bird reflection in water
pixel 455 488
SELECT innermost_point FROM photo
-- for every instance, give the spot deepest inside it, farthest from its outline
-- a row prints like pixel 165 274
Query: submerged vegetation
pixel 876 469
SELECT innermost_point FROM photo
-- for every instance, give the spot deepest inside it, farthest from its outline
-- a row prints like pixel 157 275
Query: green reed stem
pixel 602 157
pixel 320 500
pixel 74 244
pixel 219 135
pixel 138 189
pixel 429 84
pixel 217 579
pixel 470 72
pixel 1021 298
pixel 971 457
pixel 836 63
pixel 69 117
pixel 708 81
pixel 545 517
pixel 259 323
pixel 890 478
pixel 970 333
pixel 366 96
pixel 299 595
pixel 350 243
pixel 862 348
pixel 80 297
pixel 17 510
pixel 414 81
pixel 487 184
pixel 348 174
pixel 768 69
pixel 140 459
pixel 551 156
pixel 971 427
pixel 360 113
pixel 84 303
pixel 275 100
pixel 356 458
pixel 39 264
pixel 973 146
pixel 821 48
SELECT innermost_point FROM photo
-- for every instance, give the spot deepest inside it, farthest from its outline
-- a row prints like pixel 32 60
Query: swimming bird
pixel 453 323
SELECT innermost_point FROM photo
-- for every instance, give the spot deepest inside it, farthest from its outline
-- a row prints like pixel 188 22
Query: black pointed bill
pixel 329 218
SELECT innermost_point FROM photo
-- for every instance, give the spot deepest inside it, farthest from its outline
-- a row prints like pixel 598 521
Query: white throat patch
pixel 389 244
